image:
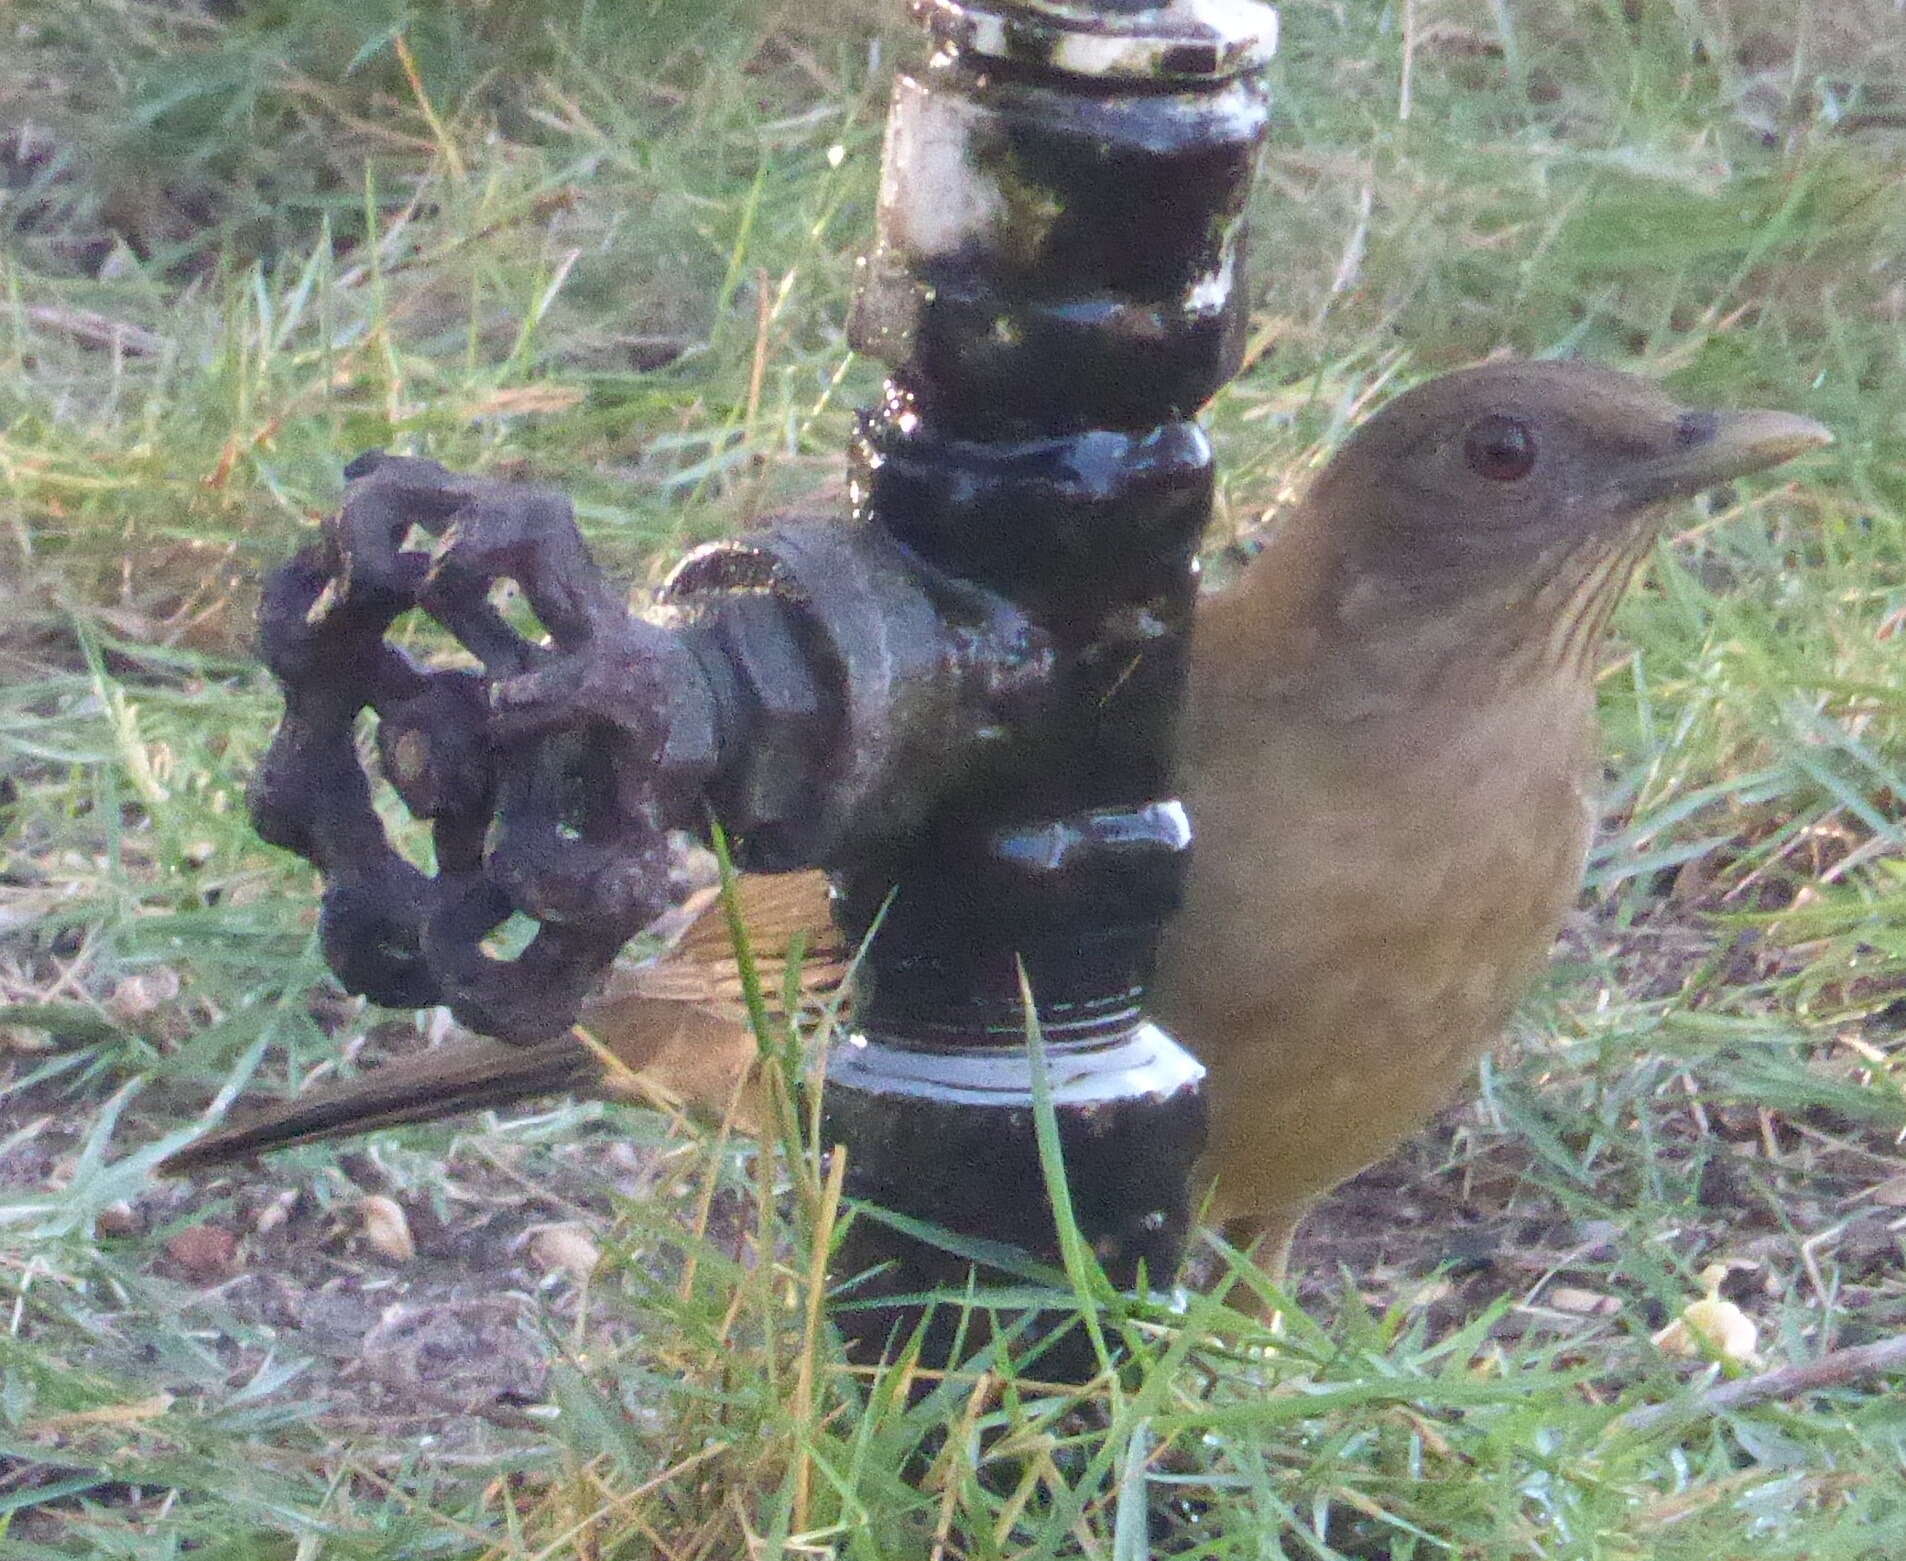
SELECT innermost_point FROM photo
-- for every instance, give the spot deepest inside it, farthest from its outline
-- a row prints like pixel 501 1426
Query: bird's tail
pixel 442 1082
pixel 672 1033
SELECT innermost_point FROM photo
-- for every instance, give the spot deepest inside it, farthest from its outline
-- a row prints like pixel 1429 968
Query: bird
pixel 1388 754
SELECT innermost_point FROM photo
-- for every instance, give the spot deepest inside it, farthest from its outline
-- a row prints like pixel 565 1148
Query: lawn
pixel 609 246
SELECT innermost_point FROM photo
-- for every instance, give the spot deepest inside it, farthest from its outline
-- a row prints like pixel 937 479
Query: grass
pixel 609 245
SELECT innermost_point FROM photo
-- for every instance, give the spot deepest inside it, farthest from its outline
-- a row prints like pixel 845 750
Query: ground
pixel 240 242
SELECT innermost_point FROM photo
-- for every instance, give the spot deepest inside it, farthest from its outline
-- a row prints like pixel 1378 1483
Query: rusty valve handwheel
pixel 550 779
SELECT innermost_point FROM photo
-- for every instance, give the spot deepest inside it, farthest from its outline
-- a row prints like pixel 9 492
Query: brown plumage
pixel 676 1028
pixel 1387 756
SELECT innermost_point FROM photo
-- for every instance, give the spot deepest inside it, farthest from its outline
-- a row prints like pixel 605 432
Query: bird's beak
pixel 1716 447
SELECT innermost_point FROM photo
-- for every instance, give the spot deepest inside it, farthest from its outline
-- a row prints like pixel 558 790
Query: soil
pixel 448 1330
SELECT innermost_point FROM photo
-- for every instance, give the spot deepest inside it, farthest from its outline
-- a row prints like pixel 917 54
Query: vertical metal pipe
pixel 1056 287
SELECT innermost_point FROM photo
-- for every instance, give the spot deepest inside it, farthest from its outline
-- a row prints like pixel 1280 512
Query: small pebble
pixel 567 1249
pixel 386 1230
pixel 204 1253
pixel 118 1219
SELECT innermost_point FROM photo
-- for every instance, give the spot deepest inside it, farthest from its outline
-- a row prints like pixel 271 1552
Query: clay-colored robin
pixel 1387 756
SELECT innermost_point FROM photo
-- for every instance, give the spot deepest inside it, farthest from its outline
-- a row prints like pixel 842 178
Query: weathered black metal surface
pixel 946 1135
pixel 1084 276
pixel 1055 289
pixel 518 825
pixel 814 685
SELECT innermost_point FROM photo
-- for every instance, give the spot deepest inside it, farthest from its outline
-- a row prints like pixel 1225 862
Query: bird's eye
pixel 1500 448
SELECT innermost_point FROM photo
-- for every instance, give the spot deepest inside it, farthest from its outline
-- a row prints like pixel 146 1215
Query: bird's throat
pixel 1395 646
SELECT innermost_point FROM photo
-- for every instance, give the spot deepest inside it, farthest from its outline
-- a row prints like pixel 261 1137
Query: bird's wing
pixel 790 935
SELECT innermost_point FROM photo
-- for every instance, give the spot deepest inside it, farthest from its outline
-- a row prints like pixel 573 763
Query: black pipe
pixel 1055 288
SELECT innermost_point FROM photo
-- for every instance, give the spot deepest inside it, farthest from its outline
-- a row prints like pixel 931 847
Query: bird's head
pixel 1505 506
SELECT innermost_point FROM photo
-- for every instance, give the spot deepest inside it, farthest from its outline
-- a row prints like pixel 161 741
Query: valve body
pixel 960 701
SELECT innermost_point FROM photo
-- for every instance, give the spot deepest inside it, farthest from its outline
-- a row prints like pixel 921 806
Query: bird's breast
pixel 1367 902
